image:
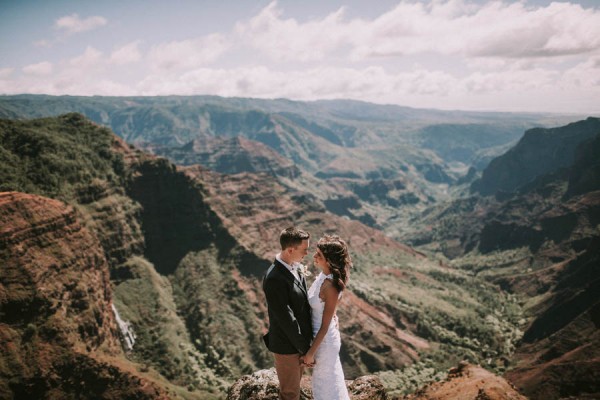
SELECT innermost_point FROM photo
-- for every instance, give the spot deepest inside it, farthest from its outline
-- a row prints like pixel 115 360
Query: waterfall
pixel 126 330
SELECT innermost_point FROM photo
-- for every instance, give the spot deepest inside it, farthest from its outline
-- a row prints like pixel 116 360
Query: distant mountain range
pixel 502 276
pixel 350 146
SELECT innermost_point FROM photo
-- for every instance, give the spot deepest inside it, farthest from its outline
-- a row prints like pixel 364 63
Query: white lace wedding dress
pixel 327 377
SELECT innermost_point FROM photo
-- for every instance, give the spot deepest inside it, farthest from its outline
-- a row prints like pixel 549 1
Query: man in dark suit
pixel 290 330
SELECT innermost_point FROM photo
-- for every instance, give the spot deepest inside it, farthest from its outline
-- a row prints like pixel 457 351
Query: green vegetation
pixel 220 316
pixel 464 317
pixel 56 157
pixel 409 379
pixel 162 341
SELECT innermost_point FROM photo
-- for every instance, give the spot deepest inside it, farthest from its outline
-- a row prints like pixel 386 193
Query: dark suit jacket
pixel 290 329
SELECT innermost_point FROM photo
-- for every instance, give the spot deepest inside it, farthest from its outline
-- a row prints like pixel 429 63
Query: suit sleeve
pixel 277 293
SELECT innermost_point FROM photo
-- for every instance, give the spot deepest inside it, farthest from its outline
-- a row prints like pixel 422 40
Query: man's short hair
pixel 292 237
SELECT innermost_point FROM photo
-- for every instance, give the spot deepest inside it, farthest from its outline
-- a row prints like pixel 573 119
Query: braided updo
pixel 335 251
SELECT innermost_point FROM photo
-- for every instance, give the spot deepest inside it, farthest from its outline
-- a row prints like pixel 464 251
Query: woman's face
pixel 320 262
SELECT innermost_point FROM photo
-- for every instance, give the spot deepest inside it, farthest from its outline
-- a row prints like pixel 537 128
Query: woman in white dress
pixel 334 261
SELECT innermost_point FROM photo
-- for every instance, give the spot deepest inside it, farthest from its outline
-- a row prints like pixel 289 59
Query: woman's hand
pixel 308 360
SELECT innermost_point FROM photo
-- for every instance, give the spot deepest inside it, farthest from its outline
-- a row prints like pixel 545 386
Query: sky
pixel 493 55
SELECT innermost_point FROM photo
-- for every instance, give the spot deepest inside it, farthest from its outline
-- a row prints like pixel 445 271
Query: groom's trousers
pixel 289 371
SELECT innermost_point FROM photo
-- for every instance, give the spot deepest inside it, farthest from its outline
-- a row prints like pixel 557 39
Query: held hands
pixel 307 360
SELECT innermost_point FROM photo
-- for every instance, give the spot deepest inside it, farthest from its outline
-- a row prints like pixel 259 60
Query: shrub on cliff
pixel 55 156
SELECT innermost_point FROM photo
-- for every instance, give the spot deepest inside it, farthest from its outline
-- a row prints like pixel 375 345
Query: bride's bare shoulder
pixel 328 290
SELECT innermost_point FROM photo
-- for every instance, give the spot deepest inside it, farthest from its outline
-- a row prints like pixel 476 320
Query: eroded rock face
pixel 539 152
pixel 53 267
pixel 58 331
pixel 264 385
pixel 231 155
pixel 468 382
pixel 559 356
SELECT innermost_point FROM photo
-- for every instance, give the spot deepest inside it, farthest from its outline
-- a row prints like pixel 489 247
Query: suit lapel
pixel 301 284
pixel 284 270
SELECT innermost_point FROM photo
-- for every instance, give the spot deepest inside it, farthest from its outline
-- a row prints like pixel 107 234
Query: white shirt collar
pixel 291 268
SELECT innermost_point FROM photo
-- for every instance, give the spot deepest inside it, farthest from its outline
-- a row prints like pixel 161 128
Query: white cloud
pixel 87 85
pixel 65 85
pixel 288 39
pixel 186 54
pixel 127 54
pixel 6 73
pixel 454 54
pixel 40 69
pixel 371 83
pixel 585 75
pixel 492 29
pixel 514 31
pixel 86 74
pixel 74 24
pixel 91 58
pixel 515 89
pixel 510 89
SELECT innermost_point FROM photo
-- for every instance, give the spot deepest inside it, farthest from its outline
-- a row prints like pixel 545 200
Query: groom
pixel 290 330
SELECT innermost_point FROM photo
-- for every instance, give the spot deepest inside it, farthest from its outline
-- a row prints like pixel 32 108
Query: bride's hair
pixel 335 251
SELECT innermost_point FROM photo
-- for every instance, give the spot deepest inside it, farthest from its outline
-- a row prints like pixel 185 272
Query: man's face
pixel 300 251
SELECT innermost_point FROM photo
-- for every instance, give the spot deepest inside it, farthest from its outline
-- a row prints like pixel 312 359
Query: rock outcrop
pixel 264 385
pixel 464 382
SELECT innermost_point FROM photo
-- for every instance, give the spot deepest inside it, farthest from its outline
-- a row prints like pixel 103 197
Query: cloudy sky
pixel 528 55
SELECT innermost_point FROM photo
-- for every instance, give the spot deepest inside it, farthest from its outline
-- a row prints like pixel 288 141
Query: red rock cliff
pixel 58 335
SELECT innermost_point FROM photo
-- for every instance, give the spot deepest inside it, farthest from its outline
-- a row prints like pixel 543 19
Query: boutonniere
pixel 302 270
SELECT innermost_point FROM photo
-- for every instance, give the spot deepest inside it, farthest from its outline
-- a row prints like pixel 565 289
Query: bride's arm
pixel 330 296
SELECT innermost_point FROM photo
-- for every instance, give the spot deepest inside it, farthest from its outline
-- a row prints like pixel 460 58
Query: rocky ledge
pixel 468 382
pixel 264 385
pixel 464 382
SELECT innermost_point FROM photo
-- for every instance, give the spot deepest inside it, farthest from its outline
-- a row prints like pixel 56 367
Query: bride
pixel 327 378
